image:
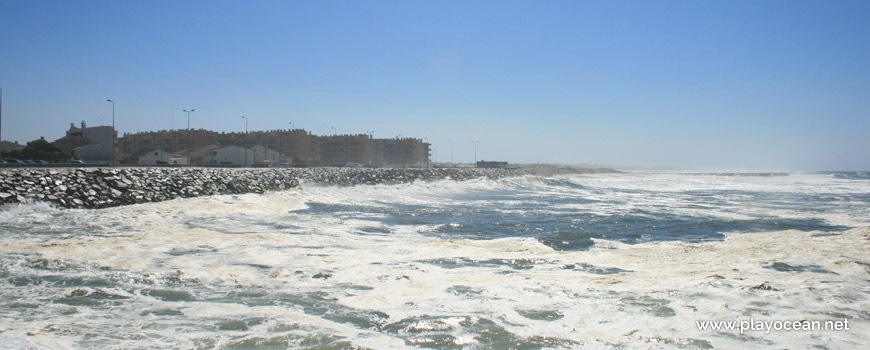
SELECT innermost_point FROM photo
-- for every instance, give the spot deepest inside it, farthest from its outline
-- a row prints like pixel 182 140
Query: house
pixel 199 156
pixel 94 152
pixel 8 146
pixel 102 150
pixel 231 155
pixel 161 157
pixel 265 157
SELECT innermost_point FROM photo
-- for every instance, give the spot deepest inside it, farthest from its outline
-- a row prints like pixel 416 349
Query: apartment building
pixel 338 150
pixel 403 152
pixel 362 149
pixel 296 146
pixel 102 150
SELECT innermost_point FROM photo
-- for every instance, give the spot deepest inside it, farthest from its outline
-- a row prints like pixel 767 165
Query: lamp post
pixel 334 133
pixel 290 138
pixel 113 126
pixel 475 151
pixel 372 146
pixel 187 144
pixel 246 135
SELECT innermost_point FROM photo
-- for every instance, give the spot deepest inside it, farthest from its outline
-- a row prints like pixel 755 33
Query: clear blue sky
pixel 772 85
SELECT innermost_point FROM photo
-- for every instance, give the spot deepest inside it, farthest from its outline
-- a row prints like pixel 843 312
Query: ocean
pixel 604 261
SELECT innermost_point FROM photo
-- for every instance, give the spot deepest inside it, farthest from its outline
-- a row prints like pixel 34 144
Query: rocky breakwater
pixel 373 176
pixel 108 187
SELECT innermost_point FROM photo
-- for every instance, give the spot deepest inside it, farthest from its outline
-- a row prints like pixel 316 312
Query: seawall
pixel 109 187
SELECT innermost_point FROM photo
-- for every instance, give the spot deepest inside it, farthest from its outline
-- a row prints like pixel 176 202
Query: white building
pixel 160 157
pixel 231 155
pixel 101 134
pixel 95 152
pixel 265 156
pixel 101 151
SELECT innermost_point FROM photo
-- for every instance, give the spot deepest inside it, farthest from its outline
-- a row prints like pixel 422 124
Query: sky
pixel 742 85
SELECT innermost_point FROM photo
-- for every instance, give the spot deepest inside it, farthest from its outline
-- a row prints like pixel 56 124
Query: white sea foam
pixel 268 268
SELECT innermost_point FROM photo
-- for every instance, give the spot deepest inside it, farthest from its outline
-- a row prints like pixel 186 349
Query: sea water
pixel 584 261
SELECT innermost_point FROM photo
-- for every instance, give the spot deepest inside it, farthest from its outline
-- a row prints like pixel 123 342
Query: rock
pixel 104 187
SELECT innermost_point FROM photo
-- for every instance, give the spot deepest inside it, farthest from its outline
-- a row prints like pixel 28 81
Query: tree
pixel 38 149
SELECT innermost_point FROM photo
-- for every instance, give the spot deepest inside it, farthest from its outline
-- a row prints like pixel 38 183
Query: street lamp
pixel 246 135
pixel 475 151
pixel 334 133
pixel 187 144
pixel 290 133
pixel 113 126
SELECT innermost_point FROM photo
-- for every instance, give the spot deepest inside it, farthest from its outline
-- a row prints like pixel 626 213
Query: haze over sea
pixel 628 260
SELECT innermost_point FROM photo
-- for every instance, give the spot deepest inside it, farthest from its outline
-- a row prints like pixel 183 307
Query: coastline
pixel 93 188
pixel 103 187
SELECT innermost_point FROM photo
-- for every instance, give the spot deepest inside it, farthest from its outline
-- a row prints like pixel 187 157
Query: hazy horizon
pixel 747 85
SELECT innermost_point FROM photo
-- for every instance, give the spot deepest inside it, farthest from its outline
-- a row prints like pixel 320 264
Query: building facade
pixel 103 135
pixel 159 157
pixel 339 150
pixel 403 152
pixel 133 146
pixel 362 149
pixel 295 146
pixel 102 150
pixel 231 156
pixel 291 147
pixel 264 156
